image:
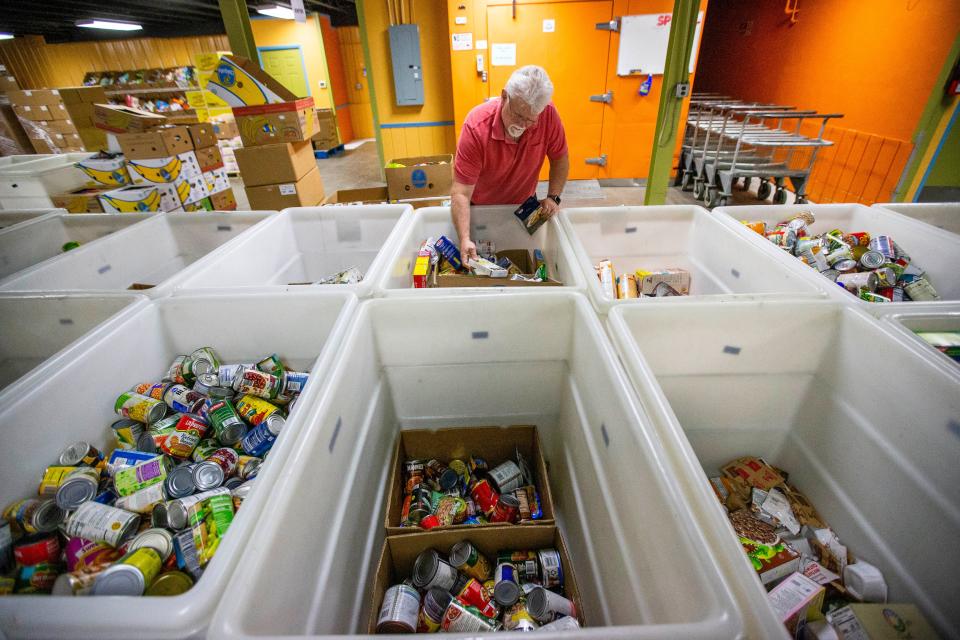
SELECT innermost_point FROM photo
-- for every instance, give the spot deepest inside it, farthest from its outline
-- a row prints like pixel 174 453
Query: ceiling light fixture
pixel 112 25
pixel 6 36
pixel 276 11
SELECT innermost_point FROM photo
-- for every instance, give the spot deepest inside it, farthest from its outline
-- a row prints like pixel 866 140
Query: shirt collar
pixel 499 133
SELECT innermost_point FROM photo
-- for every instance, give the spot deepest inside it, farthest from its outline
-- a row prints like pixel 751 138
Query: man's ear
pixel 503 94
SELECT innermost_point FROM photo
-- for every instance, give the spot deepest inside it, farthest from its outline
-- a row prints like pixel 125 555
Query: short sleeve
pixel 556 138
pixel 469 159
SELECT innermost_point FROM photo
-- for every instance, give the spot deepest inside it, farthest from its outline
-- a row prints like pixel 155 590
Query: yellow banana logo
pixel 147 204
pixel 183 191
pixel 167 173
pixel 117 177
pixel 236 86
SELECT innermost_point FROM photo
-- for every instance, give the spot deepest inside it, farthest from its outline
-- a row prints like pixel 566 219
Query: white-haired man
pixel 501 150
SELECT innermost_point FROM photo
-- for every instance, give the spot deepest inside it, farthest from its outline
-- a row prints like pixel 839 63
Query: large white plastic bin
pixel 719 260
pixel 10 217
pixel 71 398
pixel 927 317
pixel 35 327
pixel 156 252
pixel 305 245
pixel 454 361
pixel 932 249
pixel 37 240
pixel 945 215
pixel 866 427
pixel 486 223
pixel 29 183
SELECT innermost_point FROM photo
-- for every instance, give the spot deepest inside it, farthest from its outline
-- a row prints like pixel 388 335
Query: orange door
pixel 575 56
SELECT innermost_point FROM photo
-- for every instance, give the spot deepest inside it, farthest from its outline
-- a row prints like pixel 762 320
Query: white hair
pixel 532 85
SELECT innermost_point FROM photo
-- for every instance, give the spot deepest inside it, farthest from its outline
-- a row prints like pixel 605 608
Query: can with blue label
pixel 259 439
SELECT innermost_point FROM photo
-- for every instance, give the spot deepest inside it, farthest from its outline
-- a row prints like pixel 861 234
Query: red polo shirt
pixel 501 170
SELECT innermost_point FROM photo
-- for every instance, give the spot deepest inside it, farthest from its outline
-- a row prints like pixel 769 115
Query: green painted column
pixel 682 29
pixel 362 19
pixel 236 19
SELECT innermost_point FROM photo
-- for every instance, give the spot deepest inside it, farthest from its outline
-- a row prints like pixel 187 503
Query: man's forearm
pixel 460 209
pixel 559 170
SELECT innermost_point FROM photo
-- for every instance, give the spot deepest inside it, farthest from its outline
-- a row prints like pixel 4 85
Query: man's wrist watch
pixel 555 198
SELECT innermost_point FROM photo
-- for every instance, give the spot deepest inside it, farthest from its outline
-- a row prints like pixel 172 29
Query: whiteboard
pixel 643 43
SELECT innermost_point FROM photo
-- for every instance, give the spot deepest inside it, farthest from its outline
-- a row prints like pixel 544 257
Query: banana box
pixel 241 82
pixel 191 189
pixel 141 199
pixel 294 121
pixel 108 169
pixel 202 205
pixel 164 170
pixel 216 180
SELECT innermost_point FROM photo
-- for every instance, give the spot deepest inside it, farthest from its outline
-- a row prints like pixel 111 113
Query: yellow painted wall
pixel 404 141
pixel 358 88
pixel 272 32
pixel 38 65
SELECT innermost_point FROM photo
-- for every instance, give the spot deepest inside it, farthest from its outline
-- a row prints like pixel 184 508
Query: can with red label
pixel 36 549
pixel 473 594
pixel 484 496
pixel 227 459
pixel 186 435
pixel 464 618
pixel 507 509
pixel 183 399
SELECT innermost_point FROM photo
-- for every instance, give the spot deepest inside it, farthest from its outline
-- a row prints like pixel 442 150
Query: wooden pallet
pixel 321 154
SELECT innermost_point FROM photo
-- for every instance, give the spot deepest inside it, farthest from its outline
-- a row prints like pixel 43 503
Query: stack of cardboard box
pixel 46 120
pixel 327 136
pixel 79 102
pixel 276 128
pixel 13 138
pixel 212 167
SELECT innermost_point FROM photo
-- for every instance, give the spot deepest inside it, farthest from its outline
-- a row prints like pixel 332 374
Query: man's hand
pixel 468 251
pixel 550 207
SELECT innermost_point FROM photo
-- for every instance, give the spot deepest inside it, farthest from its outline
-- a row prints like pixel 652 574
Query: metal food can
pixel 188 558
pixel 894 294
pixel 178 510
pixel 36 549
pixel 144 500
pixel 485 496
pixel 525 562
pixel 854 281
pixel 140 408
pixel 506 477
pixel 248 467
pixel 813 256
pixel 130 575
pixel 472 593
pixel 80 485
pixel 34 516
pixel 463 618
pixel 545 606
pixel 81 454
pixel 255 410
pixel 506 588
pixel 857 239
pixel 179 482
pixel 38 578
pixel 181 371
pixel 186 435
pixel 207 475
pixel 100 523
pixel 204 360
pixel 261 438
pixel 783 237
pixel 52 478
pixel 430 571
pixel 921 289
pixel 883 245
pixel 257 383
pixel 841 253
pixel 845 266
pixel 465 557
pixel 153 390
pixel 121 459
pixel 566 623
pixel 204 449
pixel 435 602
pixel 227 425
pixel 871 260
pixel 551 568
pixel 87 555
pixel 6 547
pixel 886 277
pixel 160 540
pixel 271 364
pixel 170 583
pixel 226 458
pixel 158 517
pixel 294 382
pixel 129 480
pixel 126 432
pixel 399 611
pixel 507 509
pixel 429 522
pixel 183 399
pixel 517 618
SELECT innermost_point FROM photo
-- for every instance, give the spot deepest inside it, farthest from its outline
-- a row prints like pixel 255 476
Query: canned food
pixel 181 371
pixel 6 547
pixel 883 245
pixel 844 266
pixel 186 435
pixel 872 260
pixel 38 578
pixel 260 439
pixel 255 410
pixel 429 522
pixel 183 399
pixel 841 253
pixel 87 555
pixel 465 557
pixel 204 360
pixel 158 517
pixel 204 449
pixel 34 516
pixel 226 458
pixel 207 475
pixel 399 611
pixel 178 510
pixel 921 289
pixel 886 277
pixel 271 364
pixel 169 583
pixel 517 618
pixel 860 238
pixel 227 425
pixel 188 558
pixel 505 477
pixel 758 226
pixel 551 568
pixel 435 602
pixel 179 482
pixel 130 575
pixel 210 520
pixel 472 593
pixel 140 408
pixel 506 588
pixel 258 383
pixel 248 467
pixel 75 584
pixel 144 500
pixel 80 485
pixel 153 390
pixel 157 539
pixel 567 623
pixel 507 509
pixel 854 281
pixel 81 454
pixel 126 432
pixel 294 382
pixel 430 571
pixel 463 618
pixel 36 549
pixel 121 459
pixel 546 605
pixel 100 523
pixel 51 480
pixel 129 480
pixel 784 238
pixel 525 562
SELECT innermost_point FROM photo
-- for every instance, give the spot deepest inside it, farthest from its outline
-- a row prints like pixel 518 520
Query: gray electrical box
pixel 407 73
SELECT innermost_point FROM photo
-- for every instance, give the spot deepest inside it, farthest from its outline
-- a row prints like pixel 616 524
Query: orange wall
pixel 338 80
pixel 358 88
pixel 876 62
pixel 37 65
pixel 272 32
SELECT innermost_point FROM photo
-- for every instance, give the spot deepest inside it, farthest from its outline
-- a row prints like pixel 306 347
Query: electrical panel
pixel 407 72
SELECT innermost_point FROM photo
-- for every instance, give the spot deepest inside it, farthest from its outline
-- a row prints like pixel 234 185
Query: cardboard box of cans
pixel 494 444
pixel 327 135
pixel 275 163
pixel 419 177
pixel 399 554
pixel 305 192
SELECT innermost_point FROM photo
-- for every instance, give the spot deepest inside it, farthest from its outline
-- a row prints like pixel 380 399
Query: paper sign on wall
pixel 481 44
pixel 549 26
pixel 298 12
pixel 503 54
pixel 462 41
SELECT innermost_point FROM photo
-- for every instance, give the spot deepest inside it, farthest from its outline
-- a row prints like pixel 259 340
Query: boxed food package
pixel 13 137
pixel 369 195
pixel 241 82
pixel 797 601
pixel 140 199
pixel 521 260
pixel 202 135
pixel 7 82
pixel 216 180
pixel 399 554
pixel 494 445
pixel 223 200
pixel 160 142
pixel 419 177
pixel 80 95
pixel 81 201
pixel 120 119
pixel 305 192
pixel 327 135
pixel 209 158
pixel 34 97
pixel 164 170
pixel 275 163
pixel 890 621
pixel 280 122
pixel 42 112
pixel 108 169
pixel 678 279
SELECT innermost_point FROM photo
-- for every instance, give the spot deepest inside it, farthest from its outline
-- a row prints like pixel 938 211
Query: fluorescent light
pixel 6 36
pixel 109 24
pixel 276 11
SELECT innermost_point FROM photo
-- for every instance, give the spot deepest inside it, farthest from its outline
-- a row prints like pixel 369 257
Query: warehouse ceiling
pixel 56 19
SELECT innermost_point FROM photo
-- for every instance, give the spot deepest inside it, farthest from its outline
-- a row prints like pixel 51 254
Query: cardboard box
pixel 305 192
pixel 58 126
pixel 33 97
pixel 164 170
pixel 81 201
pixel 202 205
pixel 80 95
pixel 13 137
pixel 226 129
pixel 93 139
pixel 118 119
pixel 81 113
pixel 494 444
pixel 106 169
pixel 191 189
pixel 241 82
pixel 223 201
pixel 275 163
pixel 209 158
pixel 162 142
pixel 273 123
pixel 45 146
pixel 399 553
pixel 327 136
pixel 140 199
pixel 216 180
pixel 68 140
pixel 772 562
pixel 8 83
pixel 202 135
pixel 520 257
pixel 369 195
pixel 890 621
pixel 42 112
pixel 421 177
pixel 796 601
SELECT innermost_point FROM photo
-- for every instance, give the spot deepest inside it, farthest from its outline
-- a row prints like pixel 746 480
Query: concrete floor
pixel 361 168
